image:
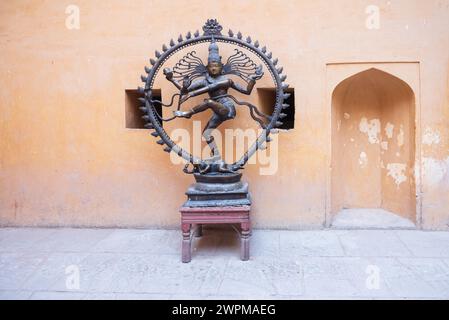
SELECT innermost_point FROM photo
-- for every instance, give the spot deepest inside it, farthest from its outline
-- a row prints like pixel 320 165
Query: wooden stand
pixel 214 215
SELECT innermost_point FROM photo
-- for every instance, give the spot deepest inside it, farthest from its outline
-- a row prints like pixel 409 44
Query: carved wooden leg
pixel 186 243
pixel 244 241
pixel 199 230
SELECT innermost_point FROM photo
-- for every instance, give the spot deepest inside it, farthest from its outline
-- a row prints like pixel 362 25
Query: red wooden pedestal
pixel 214 215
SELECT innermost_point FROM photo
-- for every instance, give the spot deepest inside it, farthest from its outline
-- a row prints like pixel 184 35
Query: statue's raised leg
pixel 217 107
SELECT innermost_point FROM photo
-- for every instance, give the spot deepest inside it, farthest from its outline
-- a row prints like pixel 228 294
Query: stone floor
pixel 374 218
pixel 145 264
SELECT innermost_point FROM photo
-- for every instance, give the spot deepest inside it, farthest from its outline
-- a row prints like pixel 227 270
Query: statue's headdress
pixel 238 64
pixel 214 55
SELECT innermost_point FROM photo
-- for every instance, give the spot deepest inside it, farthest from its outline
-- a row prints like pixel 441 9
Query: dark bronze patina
pixel 217 182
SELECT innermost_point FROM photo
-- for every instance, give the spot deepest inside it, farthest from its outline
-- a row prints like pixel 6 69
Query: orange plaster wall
pixel 67 159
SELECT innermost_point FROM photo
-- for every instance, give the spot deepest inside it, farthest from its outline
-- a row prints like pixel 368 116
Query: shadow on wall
pixel 373 144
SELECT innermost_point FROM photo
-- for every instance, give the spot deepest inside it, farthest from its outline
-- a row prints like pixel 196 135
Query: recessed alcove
pixel 267 100
pixel 373 150
pixel 133 115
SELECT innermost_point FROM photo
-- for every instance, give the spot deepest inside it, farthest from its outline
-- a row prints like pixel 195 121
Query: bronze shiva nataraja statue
pixel 216 83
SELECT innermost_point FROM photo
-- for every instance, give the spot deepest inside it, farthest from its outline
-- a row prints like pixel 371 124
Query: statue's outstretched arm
pixel 196 88
pixel 203 86
pixel 247 90
pixel 186 86
pixel 169 76
pixel 196 84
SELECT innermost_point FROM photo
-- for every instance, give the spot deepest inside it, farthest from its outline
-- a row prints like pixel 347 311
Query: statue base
pixel 218 190
pixel 216 198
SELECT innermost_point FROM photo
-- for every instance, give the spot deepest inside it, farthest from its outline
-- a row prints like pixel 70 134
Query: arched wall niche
pixel 373 144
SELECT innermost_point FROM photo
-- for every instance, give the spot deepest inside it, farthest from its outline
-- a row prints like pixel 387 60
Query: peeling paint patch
pixel 371 128
pixel 352 139
pixel 384 145
pixel 435 171
pixel 389 130
pixel 397 172
pixel 363 159
pixel 338 125
pixel 346 115
pixel 400 136
pixel 431 136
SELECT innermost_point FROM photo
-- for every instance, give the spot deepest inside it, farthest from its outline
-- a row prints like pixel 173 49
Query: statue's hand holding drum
pixel 168 73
